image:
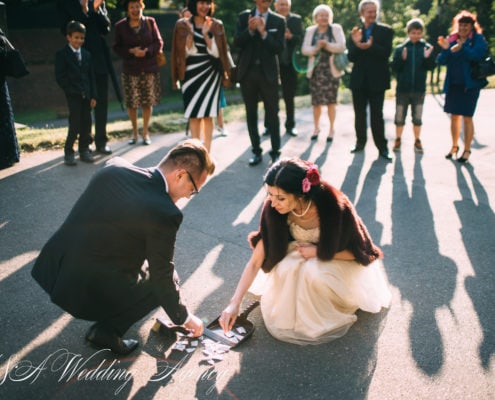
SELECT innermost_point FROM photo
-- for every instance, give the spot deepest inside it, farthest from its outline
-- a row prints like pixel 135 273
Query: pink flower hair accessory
pixel 312 178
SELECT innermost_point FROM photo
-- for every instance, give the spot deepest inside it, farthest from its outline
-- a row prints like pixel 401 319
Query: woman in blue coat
pixel 463 46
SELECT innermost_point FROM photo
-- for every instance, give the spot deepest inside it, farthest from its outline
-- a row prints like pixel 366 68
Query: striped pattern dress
pixel 201 86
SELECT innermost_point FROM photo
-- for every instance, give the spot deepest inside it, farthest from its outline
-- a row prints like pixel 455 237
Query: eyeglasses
pixel 195 191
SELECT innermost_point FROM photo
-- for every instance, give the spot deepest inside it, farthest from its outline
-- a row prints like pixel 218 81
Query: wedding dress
pixel 314 301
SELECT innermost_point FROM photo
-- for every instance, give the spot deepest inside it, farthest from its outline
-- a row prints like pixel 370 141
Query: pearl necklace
pixel 304 212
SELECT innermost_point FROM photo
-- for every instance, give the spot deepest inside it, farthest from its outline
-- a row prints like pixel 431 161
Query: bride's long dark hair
pixel 335 211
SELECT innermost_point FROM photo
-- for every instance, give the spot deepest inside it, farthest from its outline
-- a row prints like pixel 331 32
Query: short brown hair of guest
pixel 415 23
pixel 75 26
pixel 191 155
pixel 192 5
pixel 125 3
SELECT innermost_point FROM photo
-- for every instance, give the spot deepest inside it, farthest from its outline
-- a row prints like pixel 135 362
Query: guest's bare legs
pixel 316 119
pixel 132 113
pixel 208 131
pixel 195 128
pixel 332 114
pixel 147 111
pixel 455 129
pixel 468 136
pixel 220 118
pixel 455 132
pixel 416 131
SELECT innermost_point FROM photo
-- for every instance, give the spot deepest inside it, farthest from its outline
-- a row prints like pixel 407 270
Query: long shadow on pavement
pixel 425 278
pixel 478 219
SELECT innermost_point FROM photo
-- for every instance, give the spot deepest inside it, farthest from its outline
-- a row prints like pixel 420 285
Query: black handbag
pixel 11 62
pixel 483 68
pixel 14 65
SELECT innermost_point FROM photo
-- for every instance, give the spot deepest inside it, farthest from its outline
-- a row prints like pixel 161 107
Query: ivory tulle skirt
pixel 313 301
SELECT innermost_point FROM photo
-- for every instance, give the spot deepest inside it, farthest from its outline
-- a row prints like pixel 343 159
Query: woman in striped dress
pixel 200 63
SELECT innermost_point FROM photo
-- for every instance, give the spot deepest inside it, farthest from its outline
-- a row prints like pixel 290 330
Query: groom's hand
pixel 194 325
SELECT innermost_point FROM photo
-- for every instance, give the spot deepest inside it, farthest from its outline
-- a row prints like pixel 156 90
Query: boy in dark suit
pixel 94 15
pixel 75 75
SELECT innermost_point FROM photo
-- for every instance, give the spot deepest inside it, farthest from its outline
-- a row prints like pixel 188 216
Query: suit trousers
pixel 79 123
pixel 144 301
pixel 101 110
pixel 140 301
pixel 361 98
pixel 288 78
pixel 255 86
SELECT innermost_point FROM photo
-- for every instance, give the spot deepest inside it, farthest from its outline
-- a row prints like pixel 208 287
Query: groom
pixel 111 261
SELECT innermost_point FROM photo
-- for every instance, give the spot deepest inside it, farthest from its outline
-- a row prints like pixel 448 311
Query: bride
pixel 313 262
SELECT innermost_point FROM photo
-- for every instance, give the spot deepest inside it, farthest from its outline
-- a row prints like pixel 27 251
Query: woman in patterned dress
pixel 321 41
pixel 200 65
pixel 137 41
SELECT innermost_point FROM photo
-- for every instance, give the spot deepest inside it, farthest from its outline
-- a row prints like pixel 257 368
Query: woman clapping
pixel 200 64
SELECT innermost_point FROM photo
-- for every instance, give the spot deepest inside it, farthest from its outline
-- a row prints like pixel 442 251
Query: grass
pixel 35 139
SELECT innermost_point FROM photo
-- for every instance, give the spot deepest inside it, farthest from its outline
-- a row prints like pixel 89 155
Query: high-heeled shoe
pixel 464 159
pixel 453 153
pixel 315 134
pixel 330 136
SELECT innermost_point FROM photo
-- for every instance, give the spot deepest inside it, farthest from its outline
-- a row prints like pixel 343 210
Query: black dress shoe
pixel 255 160
pixel 275 157
pixel 69 159
pixel 104 150
pixel 292 132
pixel 384 154
pixel 357 149
pixel 104 339
pixel 86 156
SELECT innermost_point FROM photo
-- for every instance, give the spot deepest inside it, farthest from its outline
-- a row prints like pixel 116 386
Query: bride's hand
pixel 306 250
pixel 228 317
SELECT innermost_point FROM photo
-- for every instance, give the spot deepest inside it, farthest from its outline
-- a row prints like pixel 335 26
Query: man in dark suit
pixel 112 259
pixel 93 14
pixel 260 37
pixel 288 75
pixel 369 49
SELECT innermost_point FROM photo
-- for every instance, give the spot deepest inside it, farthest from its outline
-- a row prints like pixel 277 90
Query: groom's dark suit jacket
pixel 91 265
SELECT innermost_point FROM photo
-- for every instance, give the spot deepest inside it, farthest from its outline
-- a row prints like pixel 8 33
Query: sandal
pixel 464 159
pixel 397 144
pixel 330 136
pixel 453 153
pixel 418 147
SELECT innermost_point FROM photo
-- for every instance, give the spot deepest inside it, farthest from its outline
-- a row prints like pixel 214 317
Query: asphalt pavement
pixel 433 218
